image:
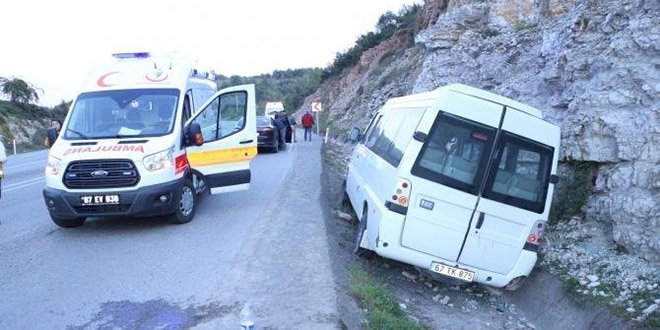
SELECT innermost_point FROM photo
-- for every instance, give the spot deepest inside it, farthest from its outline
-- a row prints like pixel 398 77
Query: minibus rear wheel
pixel 68 223
pixel 515 283
pixel 186 203
pixel 361 228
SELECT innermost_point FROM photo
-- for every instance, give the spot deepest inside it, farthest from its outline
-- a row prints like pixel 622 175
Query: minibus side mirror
pixel 419 136
pixel 354 135
pixel 554 178
pixel 194 135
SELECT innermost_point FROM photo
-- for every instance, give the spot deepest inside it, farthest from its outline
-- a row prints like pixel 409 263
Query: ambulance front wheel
pixel 68 223
pixel 186 203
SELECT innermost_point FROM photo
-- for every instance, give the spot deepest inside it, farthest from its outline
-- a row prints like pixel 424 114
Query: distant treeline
pixel 292 86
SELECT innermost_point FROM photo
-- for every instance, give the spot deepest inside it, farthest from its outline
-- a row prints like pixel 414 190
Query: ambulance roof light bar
pixel 131 55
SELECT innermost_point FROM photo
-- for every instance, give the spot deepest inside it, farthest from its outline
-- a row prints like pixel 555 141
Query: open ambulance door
pixel 229 126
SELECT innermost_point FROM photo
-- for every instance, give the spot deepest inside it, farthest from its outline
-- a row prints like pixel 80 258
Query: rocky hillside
pixel 26 124
pixel 591 66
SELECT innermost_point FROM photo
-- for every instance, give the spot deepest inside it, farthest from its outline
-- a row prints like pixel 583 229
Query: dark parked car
pixel 268 135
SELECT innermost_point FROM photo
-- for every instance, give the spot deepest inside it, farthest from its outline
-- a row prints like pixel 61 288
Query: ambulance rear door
pixel 229 127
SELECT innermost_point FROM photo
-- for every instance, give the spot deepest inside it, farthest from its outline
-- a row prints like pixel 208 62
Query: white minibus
pixel 457 181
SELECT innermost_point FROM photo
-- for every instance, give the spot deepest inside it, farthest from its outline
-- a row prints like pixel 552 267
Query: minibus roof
pixel 428 99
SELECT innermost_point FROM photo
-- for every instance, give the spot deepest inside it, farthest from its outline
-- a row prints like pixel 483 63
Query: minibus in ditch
pixel 457 181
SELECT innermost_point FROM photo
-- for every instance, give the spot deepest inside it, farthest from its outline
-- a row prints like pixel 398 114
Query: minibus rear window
pixel 520 173
pixel 455 153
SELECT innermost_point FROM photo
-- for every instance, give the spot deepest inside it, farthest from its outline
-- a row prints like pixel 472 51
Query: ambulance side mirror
pixel 194 135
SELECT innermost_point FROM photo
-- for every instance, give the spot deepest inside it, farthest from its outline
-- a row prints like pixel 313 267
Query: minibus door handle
pixel 246 141
pixel 481 220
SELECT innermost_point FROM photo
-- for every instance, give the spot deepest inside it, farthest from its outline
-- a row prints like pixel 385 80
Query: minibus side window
pixel 391 134
pixel 373 132
pixel 455 153
pixel 520 173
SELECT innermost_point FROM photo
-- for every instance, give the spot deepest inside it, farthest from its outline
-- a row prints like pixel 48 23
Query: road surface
pixel 265 246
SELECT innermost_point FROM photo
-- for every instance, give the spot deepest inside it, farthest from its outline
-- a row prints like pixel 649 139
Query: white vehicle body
pixel 457 181
pixel 125 148
pixel 272 108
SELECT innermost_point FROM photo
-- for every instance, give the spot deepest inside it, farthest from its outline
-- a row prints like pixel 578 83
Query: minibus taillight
pixel 400 197
pixel 535 237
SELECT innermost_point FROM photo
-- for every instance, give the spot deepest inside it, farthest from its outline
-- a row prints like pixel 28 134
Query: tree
pixel 18 90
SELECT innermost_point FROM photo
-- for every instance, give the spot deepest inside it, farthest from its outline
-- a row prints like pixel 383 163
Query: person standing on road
pixel 307 122
pixel 281 129
pixel 53 132
pixel 292 122
pixel 3 159
pixel 287 124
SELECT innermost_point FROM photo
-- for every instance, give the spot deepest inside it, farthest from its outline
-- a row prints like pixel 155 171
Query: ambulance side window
pixel 220 117
pixel 208 121
pixel 233 109
pixel 186 108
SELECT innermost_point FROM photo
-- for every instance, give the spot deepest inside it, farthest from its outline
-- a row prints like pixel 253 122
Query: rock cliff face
pixel 591 66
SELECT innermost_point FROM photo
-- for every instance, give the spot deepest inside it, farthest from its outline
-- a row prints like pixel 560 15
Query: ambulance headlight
pixel 53 165
pixel 159 160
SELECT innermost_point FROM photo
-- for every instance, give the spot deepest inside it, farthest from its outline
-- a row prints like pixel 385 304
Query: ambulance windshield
pixel 122 113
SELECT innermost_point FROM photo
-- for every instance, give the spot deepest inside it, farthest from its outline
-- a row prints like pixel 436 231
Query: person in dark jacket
pixel 53 132
pixel 281 128
pixel 287 122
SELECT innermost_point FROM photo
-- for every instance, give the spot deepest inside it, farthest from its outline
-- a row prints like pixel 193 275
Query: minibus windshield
pixel 122 113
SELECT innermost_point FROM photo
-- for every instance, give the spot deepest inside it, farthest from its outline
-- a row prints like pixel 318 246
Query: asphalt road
pixel 265 246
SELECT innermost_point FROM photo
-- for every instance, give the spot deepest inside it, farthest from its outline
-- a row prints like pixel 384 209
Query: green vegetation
pixel 383 311
pixel 28 116
pixel 19 90
pixel 573 191
pixel 389 24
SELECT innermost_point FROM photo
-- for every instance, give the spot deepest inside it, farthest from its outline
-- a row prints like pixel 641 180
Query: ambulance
pixel 457 182
pixel 146 134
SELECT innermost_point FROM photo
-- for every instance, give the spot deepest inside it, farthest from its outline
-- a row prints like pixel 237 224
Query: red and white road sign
pixel 316 107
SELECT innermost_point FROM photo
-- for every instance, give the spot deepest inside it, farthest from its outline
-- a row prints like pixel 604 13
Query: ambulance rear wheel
pixel 186 203
pixel 68 223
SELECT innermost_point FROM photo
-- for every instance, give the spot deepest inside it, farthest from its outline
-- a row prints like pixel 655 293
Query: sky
pixel 53 44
